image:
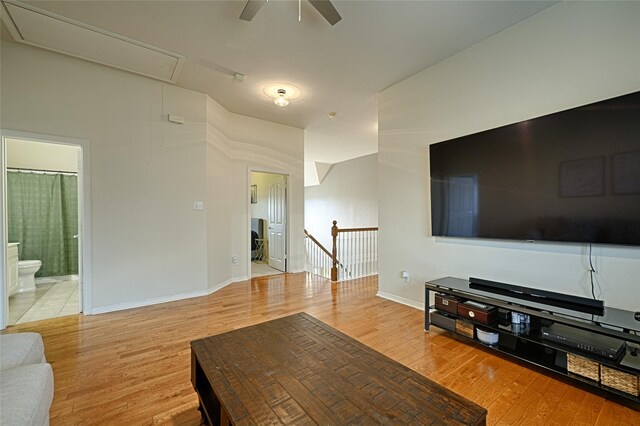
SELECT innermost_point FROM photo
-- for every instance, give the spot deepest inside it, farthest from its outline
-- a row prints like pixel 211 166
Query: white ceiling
pixel 339 68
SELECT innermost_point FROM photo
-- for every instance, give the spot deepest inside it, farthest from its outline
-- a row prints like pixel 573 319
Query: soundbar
pixel 566 301
pixel 585 341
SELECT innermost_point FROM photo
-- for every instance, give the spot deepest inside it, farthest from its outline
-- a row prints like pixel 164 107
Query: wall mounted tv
pixel 572 176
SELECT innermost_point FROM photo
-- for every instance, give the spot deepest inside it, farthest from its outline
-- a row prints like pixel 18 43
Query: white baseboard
pixel 146 302
pixel 156 300
pixel 404 301
pixel 238 279
pixel 219 286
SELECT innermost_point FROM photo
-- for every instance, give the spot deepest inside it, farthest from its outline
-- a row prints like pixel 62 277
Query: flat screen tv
pixel 572 176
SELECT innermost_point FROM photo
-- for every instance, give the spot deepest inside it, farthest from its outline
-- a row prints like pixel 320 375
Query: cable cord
pixel 591 272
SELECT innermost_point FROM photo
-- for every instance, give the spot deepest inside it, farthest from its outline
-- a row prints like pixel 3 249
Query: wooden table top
pixel 299 370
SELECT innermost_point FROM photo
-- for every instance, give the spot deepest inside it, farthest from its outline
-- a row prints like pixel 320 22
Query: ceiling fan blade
pixel 251 8
pixel 327 10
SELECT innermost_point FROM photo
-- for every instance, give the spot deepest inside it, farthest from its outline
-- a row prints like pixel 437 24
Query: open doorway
pixel 268 223
pixel 41 227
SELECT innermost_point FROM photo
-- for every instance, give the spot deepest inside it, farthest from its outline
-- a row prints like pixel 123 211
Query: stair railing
pixel 354 253
pixel 357 249
pixel 318 259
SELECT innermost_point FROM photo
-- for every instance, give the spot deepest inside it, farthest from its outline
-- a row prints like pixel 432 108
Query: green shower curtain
pixel 43 218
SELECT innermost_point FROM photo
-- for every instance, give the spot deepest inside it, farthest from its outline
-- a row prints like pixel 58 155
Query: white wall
pixel 145 172
pixel 218 202
pixel 148 244
pixel 41 156
pixel 348 194
pixel 571 54
pixel 268 147
pixel 245 144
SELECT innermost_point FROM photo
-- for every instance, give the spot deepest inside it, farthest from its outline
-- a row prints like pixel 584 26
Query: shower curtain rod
pixel 20 169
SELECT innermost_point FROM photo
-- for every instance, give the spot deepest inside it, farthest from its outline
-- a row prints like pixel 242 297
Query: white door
pixel 278 224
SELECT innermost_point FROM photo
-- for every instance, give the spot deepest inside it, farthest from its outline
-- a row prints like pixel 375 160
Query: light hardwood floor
pixel 133 367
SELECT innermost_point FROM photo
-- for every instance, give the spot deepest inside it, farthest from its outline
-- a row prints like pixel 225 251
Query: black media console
pixel 572 336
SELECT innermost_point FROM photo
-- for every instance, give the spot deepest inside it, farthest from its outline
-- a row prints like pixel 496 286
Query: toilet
pixel 26 274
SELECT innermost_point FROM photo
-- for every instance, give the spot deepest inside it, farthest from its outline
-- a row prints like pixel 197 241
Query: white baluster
pixel 351 250
pixel 357 250
pixel 369 254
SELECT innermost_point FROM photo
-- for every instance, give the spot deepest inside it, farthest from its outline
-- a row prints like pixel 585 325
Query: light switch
pixel 198 205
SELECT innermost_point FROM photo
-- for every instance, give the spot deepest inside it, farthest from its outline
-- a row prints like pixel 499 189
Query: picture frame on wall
pixel 254 194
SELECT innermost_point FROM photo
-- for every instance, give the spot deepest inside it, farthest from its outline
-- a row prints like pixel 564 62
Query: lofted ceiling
pixel 337 68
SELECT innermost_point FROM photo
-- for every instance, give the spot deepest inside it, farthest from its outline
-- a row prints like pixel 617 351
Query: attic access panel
pixel 44 29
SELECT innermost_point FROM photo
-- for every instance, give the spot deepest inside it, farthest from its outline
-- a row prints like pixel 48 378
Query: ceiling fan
pixel 325 8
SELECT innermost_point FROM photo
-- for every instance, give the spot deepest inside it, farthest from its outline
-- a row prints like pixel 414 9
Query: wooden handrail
pixel 318 243
pixel 334 252
pixel 335 261
pixel 357 229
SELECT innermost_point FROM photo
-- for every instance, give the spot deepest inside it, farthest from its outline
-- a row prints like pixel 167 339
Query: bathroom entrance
pixel 268 223
pixel 42 229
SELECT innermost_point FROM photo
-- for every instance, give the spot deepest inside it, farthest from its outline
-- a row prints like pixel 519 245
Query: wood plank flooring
pixel 133 367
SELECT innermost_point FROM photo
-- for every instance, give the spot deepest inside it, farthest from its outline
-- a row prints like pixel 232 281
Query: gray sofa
pixel 26 380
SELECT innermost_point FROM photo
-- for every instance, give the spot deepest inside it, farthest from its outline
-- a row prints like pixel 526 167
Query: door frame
pixel 84 215
pixel 287 245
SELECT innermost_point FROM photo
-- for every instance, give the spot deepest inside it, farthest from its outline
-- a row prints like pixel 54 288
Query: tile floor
pixel 259 269
pixel 50 299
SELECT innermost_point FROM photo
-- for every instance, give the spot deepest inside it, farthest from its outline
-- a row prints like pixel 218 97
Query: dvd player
pixel 586 341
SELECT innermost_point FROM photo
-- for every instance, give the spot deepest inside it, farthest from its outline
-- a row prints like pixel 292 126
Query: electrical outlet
pixel 198 205
pixel 405 276
pixel 234 260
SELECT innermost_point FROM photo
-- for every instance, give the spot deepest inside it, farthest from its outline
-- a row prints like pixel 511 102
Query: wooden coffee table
pixel 298 370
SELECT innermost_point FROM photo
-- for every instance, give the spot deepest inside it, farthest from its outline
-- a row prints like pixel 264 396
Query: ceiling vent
pixel 44 29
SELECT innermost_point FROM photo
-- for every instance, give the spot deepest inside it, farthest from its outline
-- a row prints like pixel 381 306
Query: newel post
pixel 334 252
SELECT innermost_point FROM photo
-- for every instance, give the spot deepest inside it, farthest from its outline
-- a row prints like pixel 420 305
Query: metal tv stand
pixel 533 348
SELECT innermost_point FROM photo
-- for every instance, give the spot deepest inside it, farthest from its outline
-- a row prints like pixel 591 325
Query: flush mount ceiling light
pixel 281 93
pixel 281 100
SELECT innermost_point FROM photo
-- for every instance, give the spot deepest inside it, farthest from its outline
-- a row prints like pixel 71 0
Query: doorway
pixel 268 224
pixel 42 216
